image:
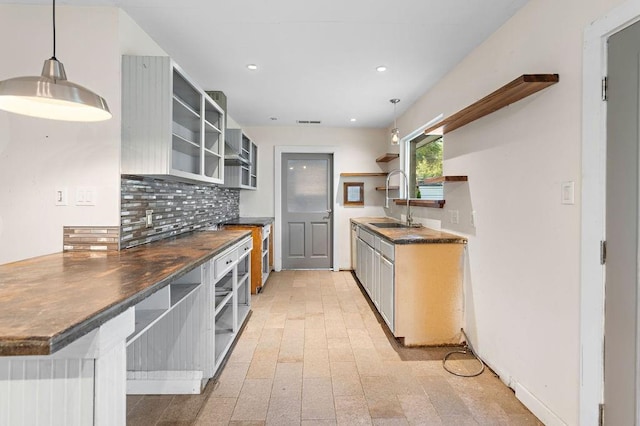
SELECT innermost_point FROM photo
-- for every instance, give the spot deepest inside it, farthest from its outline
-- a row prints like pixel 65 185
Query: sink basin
pixel 390 225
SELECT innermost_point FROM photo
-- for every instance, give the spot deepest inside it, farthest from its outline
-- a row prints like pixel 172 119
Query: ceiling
pixel 316 59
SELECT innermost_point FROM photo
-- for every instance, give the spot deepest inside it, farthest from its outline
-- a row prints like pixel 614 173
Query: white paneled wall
pixel 30 391
pixel 176 353
pixel 82 384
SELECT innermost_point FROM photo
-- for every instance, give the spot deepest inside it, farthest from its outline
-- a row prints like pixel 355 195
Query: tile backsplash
pixel 177 207
pixel 90 238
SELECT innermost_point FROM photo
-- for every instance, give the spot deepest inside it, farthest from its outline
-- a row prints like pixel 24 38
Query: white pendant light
pixel 51 95
pixel 395 132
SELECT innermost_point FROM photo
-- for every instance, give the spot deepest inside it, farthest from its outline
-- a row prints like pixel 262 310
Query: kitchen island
pixel 413 276
pixel 66 320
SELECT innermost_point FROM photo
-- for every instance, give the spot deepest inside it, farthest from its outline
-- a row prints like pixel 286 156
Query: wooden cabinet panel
pixel 417 288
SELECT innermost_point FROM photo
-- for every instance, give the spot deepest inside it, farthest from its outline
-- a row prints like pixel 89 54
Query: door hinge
pixel 600 414
pixel 603 252
pixel 605 86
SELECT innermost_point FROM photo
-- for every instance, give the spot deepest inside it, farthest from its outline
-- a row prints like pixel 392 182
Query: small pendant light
pixel 395 132
pixel 51 95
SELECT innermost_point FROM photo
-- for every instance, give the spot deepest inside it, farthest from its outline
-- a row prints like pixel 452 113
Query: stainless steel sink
pixel 390 225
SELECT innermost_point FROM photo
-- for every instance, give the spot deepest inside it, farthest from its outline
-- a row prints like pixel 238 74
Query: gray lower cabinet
pixel 375 270
pixel 387 287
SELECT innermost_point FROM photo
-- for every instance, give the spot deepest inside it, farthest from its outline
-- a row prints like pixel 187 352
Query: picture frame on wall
pixel 353 194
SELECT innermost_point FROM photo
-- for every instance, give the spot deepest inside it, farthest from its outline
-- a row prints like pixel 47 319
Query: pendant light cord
pixel 54 30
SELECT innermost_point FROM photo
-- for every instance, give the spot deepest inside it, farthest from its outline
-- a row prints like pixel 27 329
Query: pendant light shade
pixel 395 132
pixel 51 95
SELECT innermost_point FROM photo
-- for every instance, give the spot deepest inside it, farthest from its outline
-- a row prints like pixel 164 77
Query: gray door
pixel 620 373
pixel 307 224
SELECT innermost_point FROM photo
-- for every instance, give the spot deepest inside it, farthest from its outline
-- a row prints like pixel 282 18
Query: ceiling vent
pixel 308 121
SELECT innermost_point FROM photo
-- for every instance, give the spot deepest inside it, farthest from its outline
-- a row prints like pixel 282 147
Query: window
pixel 425 161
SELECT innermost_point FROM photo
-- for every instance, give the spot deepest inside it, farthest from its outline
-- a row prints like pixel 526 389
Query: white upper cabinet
pixel 241 160
pixel 170 127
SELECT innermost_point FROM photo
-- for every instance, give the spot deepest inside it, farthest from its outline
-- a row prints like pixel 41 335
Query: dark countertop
pixel 49 301
pixel 422 235
pixel 249 221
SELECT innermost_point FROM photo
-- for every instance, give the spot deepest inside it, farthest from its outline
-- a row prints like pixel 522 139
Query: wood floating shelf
pixel 385 158
pixel 436 204
pixel 364 174
pixel 520 88
pixel 391 188
pixel 441 179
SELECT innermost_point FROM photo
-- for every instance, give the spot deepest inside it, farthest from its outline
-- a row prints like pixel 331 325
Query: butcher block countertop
pixel 417 235
pixel 49 301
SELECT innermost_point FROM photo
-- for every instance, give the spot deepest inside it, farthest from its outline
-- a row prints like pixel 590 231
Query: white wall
pixel 36 155
pixel 522 289
pixel 356 151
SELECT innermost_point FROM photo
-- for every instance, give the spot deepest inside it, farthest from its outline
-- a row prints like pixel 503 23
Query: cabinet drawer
pixel 225 262
pixel 366 236
pixel 266 230
pixel 386 249
pixel 245 247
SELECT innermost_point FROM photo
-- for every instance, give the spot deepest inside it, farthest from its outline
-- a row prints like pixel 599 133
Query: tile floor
pixel 314 353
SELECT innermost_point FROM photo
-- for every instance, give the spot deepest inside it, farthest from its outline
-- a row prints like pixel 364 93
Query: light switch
pixel 568 192
pixel 86 196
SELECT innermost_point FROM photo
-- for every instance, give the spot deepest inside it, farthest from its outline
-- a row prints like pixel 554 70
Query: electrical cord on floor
pixel 465 351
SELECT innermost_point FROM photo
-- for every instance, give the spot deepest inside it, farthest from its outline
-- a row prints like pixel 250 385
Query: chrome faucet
pixel 406 184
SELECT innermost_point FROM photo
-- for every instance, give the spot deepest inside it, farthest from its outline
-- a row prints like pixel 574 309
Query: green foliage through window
pixel 428 160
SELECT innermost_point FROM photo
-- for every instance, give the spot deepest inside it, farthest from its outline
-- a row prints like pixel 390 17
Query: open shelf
pixel 210 128
pixel 185 146
pixel 185 115
pixel 383 174
pixel 224 331
pixel 441 179
pixel 144 319
pixel 222 299
pixel 385 158
pixel 436 204
pixel 520 88
pixel 180 291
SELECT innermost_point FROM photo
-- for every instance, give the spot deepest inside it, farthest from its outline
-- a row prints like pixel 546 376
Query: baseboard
pixel 164 382
pixel 541 411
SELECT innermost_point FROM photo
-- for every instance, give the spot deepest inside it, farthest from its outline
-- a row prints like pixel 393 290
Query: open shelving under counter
pixel 139 321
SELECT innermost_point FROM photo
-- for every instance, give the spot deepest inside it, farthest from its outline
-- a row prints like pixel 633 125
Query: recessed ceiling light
pixel 273 118
pixel 252 67
pixel 352 120
pixel 381 68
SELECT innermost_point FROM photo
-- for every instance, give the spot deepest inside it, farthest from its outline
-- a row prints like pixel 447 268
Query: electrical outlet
pixel 149 219
pixel 473 218
pixel 62 197
pixel 454 216
pixel 568 192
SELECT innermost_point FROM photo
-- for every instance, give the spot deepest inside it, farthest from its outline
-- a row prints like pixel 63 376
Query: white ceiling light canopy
pixel 395 132
pixel 381 68
pixel 51 95
pixel 252 67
